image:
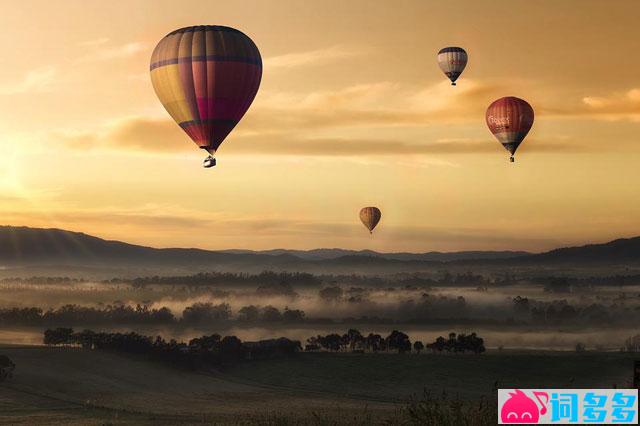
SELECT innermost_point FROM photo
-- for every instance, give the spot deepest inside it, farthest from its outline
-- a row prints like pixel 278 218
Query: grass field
pixel 392 378
pixel 72 386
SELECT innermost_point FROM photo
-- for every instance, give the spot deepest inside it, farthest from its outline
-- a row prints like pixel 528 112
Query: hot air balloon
pixel 370 216
pixel 452 61
pixel 510 119
pixel 206 78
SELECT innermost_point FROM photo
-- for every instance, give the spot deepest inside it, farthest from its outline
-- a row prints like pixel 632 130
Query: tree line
pixel 201 352
pixel 227 278
pixel 397 341
pixel 561 312
pixel 402 280
pixel 122 314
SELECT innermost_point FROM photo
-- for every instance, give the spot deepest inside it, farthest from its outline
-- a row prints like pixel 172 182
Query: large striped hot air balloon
pixel 206 78
pixel 452 61
pixel 370 216
pixel 510 119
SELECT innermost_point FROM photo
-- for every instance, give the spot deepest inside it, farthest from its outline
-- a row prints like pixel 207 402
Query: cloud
pixel 344 147
pixel 616 105
pixel 131 133
pixel 314 124
pixel 338 123
pixel 313 57
pixel 163 136
pixel 381 104
pixel 38 80
pixel 290 123
pixel 109 53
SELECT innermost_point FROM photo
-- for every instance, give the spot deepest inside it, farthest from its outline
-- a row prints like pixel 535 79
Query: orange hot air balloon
pixel 206 78
pixel 510 119
pixel 370 216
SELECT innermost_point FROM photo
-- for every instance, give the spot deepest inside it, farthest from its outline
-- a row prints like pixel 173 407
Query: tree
pixel 399 341
pixel 249 313
pixel 231 348
pixel 206 312
pixel 418 346
pixel 439 344
pixel 292 315
pixel 330 342
pixel 331 294
pixel 373 342
pixel 458 343
pixel 59 336
pixel 312 344
pixel 85 339
pixel 632 344
pixel 354 339
pixel 6 367
pixel 271 314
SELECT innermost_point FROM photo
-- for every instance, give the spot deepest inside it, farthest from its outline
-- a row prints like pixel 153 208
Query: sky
pixel 352 111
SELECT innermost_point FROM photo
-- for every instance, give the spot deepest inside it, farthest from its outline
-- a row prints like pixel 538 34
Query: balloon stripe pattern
pixel 510 119
pixel 370 216
pixel 206 77
pixel 452 61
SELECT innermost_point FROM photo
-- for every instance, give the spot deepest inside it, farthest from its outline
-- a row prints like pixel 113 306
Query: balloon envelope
pixel 452 61
pixel 510 119
pixel 370 216
pixel 206 78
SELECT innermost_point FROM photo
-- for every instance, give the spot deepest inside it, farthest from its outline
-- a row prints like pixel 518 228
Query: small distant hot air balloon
pixel 206 78
pixel 510 119
pixel 370 216
pixel 452 61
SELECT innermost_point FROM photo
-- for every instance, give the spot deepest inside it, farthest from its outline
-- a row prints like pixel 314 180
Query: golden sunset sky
pixel 352 111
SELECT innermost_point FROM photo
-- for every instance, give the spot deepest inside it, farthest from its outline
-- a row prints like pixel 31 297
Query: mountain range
pixel 24 247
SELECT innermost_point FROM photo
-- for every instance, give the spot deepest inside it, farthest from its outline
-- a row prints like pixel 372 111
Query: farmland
pixel 74 386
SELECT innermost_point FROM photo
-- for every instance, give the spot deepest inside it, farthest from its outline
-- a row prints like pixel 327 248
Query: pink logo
pixel 519 408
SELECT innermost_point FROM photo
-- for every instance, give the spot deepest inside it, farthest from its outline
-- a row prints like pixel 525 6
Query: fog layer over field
pixel 511 313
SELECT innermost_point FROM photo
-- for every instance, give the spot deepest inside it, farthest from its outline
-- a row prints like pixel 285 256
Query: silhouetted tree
pixel 399 341
pixel 374 342
pixel 249 313
pixel 200 313
pixel 458 343
pixel 292 315
pixel 271 314
pixel 59 336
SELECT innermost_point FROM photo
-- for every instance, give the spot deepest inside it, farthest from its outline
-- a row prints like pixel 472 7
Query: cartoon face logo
pixel 519 408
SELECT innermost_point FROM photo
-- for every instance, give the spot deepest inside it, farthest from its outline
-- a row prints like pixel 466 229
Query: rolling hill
pixel 432 256
pixel 37 247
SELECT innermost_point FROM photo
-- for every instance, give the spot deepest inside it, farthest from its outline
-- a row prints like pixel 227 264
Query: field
pixel 73 386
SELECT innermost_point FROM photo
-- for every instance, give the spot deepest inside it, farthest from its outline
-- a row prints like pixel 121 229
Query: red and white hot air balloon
pixel 452 61
pixel 510 119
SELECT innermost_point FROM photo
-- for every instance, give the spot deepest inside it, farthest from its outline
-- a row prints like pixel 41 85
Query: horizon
pixel 620 238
